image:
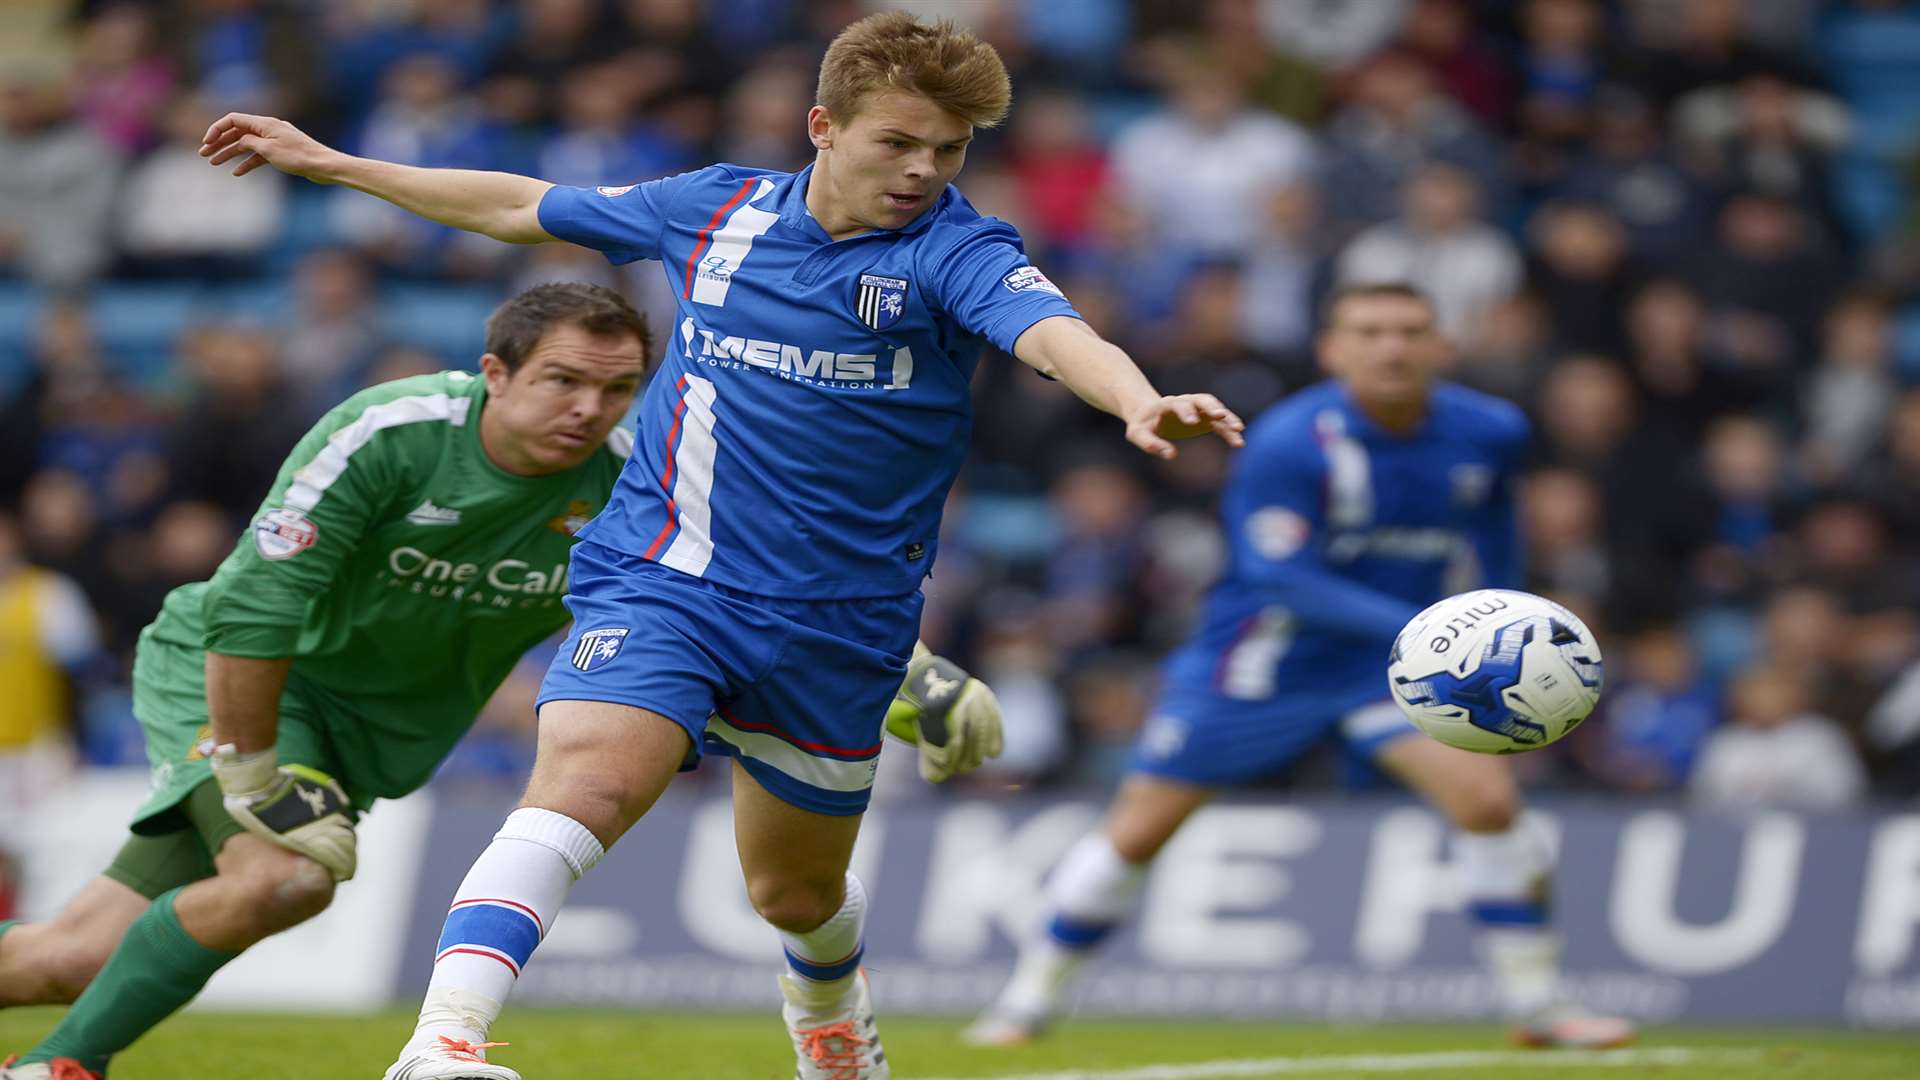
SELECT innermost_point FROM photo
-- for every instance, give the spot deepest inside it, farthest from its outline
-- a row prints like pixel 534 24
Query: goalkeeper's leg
pixel 186 934
pixel 50 963
pixel 1089 894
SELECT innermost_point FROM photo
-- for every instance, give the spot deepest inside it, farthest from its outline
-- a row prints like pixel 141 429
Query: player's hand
pixel 952 716
pixel 299 808
pixel 1155 425
pixel 267 140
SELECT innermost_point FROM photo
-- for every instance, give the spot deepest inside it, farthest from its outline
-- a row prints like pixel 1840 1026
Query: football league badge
pixel 881 300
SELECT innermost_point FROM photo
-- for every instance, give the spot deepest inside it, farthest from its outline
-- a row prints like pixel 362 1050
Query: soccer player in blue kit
pixel 1343 517
pixel 752 587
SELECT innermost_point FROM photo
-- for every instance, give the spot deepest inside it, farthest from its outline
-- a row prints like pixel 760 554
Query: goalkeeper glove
pixel 952 716
pixel 295 806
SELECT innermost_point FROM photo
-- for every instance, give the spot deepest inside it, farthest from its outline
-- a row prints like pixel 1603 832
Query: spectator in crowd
pixel 332 331
pixel 1657 713
pixel 421 118
pixel 1581 274
pixel 1196 166
pixel 1061 168
pixel 230 440
pixel 1442 34
pixel 1850 393
pixel 182 219
pixel 1561 519
pixel 1440 245
pixel 1395 121
pixel 121 81
pixel 47 635
pixel 758 127
pixel 1765 134
pixel 1629 169
pixel 1507 354
pixel 57 184
pixel 1280 290
pixel 1334 34
pixel 1682 387
pixel 1773 751
pixel 1766 283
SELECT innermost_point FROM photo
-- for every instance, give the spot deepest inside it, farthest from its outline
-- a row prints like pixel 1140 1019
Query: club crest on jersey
pixel 881 300
pixel 596 647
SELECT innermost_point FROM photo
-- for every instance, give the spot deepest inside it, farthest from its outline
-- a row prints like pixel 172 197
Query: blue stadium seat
pixel 136 323
pixel 19 307
pixel 1906 345
pixel 445 319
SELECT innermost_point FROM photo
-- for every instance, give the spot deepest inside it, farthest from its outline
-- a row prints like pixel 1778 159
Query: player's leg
pixel 598 768
pixel 50 963
pixel 1507 862
pixel 1090 893
pixel 795 863
pixel 188 932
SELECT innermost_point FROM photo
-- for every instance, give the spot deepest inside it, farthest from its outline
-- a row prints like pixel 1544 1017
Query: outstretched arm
pixel 1105 377
pixel 500 205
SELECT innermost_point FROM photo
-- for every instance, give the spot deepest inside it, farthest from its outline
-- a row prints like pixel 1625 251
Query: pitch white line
pixel 1462 1059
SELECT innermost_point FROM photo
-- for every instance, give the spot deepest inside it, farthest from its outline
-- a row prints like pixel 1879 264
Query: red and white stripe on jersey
pixel 687 480
pixel 717 256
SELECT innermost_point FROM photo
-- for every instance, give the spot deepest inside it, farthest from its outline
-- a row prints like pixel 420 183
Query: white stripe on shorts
pixel 829 774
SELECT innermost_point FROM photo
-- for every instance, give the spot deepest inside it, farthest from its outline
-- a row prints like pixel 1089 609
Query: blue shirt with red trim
pixel 1339 531
pixel 813 409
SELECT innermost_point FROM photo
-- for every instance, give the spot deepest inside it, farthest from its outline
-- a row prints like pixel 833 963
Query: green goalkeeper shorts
pixel 170 701
pixel 151 865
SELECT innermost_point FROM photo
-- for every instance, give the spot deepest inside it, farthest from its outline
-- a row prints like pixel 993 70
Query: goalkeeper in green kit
pixel 413 548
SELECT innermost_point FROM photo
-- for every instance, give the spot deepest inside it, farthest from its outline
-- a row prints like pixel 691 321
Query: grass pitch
pixel 550 1045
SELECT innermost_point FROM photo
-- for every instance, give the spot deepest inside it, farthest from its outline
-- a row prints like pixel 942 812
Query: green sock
pixel 157 969
pixel 8 925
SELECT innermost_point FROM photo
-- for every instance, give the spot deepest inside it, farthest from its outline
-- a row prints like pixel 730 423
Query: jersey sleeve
pixel 986 283
pixel 1274 509
pixel 1495 534
pixel 329 492
pixel 623 223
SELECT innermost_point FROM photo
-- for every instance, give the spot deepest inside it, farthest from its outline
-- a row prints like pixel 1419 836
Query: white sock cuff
pixel 568 838
pixel 1093 882
pixel 1508 864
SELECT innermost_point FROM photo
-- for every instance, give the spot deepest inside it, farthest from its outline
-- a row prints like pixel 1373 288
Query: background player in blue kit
pixel 1344 516
pixel 751 588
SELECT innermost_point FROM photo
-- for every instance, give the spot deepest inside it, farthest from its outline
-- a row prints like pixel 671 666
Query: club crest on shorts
pixel 596 647
pixel 881 300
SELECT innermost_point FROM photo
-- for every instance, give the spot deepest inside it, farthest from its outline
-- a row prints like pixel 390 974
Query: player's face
pixel 1384 348
pixel 558 408
pixel 888 162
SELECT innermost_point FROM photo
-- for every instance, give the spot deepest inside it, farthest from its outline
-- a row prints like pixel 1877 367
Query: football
pixel 1495 671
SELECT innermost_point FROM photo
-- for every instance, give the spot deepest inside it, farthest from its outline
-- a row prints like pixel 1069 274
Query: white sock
pixel 501 912
pixel 1090 893
pixel 828 956
pixel 1509 878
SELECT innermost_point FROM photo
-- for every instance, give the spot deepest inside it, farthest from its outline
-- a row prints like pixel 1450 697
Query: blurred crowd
pixel 1680 233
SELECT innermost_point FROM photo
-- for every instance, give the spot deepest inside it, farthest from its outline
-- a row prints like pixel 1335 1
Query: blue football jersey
pixel 1340 531
pixel 813 407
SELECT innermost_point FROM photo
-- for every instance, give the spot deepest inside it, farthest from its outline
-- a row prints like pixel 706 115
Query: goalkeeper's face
pixel 888 162
pixel 559 406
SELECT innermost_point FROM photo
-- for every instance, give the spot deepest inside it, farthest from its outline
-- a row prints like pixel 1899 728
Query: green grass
pixel 616 1046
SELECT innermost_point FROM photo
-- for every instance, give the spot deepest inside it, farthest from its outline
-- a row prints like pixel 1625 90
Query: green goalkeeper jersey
pixel 402 570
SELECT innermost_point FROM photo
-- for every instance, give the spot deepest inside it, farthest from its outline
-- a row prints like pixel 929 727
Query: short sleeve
pixel 986 284
pixel 623 223
pixel 1272 505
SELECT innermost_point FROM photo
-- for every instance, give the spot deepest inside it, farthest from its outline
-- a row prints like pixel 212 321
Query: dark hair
pixel 1369 290
pixel 516 326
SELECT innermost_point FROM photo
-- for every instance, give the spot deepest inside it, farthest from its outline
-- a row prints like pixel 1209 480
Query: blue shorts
pixel 796 690
pixel 1201 736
